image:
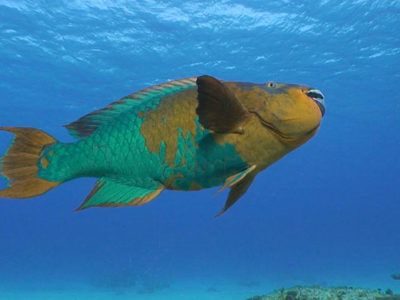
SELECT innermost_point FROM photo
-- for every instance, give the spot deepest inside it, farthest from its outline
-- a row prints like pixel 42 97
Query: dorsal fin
pixel 87 124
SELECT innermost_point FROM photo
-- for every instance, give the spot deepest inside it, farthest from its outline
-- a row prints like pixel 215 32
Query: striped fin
pixel 108 193
pixel 20 165
pixel 87 124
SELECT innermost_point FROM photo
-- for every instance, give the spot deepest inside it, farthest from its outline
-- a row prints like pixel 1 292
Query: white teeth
pixel 316 95
pixel 315 91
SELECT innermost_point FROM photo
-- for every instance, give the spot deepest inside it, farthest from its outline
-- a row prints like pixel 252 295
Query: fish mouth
pixel 270 126
pixel 275 130
pixel 318 98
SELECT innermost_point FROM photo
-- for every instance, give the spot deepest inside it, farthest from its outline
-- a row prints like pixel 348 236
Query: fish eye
pixel 271 84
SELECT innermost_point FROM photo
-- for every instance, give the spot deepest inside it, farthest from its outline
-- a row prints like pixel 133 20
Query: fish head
pixel 293 112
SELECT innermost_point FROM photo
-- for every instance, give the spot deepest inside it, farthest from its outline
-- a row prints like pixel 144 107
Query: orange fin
pixel 19 164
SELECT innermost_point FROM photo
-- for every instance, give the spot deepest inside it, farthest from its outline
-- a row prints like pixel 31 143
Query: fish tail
pixel 20 163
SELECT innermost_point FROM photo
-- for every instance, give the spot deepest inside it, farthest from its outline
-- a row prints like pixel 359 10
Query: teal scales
pixel 186 134
pixel 116 152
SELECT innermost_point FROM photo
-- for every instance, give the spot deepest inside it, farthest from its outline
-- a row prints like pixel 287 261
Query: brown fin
pixel 237 191
pixel 218 108
pixel 19 164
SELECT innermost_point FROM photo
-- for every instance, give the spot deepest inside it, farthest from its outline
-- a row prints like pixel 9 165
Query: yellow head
pixel 292 112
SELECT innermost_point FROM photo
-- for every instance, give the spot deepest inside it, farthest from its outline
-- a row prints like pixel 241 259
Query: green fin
pixel 239 186
pixel 218 109
pixel 87 124
pixel 108 193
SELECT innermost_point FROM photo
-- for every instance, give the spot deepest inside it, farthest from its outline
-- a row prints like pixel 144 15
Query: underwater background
pixel 327 214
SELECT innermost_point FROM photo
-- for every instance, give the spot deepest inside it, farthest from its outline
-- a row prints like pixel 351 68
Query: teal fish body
pixel 119 151
pixel 185 135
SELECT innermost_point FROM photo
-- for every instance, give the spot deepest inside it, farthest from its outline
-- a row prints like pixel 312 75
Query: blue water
pixel 328 213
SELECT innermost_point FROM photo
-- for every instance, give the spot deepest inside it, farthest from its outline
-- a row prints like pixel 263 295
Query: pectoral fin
pixel 218 108
pixel 238 189
pixel 108 193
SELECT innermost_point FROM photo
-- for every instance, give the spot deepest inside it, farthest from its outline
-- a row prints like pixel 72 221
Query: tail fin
pixel 20 164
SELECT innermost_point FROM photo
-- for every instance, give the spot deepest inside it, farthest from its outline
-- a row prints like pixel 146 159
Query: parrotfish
pixel 185 135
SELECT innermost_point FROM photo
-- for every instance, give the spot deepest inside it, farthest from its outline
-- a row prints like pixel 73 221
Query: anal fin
pixel 109 193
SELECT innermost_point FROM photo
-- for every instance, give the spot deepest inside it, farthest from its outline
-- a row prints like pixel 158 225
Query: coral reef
pixel 323 293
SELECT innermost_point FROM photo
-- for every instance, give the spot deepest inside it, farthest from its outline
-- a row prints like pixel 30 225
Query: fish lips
pixel 318 98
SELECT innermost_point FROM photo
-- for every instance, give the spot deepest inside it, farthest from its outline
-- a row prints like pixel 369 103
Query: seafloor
pixel 204 291
pixel 325 293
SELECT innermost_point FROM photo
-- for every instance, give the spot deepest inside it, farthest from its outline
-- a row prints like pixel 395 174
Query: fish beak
pixel 318 97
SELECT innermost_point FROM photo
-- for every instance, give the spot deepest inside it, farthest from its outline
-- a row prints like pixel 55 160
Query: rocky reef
pixel 324 293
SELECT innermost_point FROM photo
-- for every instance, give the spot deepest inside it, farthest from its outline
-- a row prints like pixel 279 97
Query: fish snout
pixel 318 98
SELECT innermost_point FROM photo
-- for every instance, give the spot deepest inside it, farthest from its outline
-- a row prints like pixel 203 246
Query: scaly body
pixel 179 135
